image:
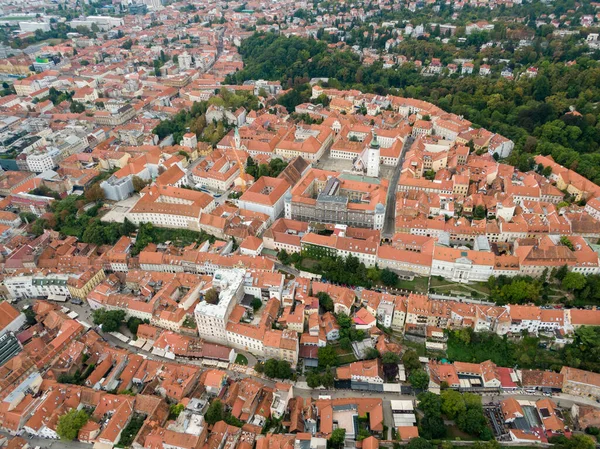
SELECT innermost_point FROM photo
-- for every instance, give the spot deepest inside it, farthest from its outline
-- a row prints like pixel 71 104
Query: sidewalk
pixel 577 399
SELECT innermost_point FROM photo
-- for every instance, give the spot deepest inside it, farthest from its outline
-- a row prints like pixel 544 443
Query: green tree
pixel 561 272
pixel 362 434
pixel 278 369
pixel 133 323
pixel 94 193
pixel 564 240
pixel 431 425
pixel 419 379
pixel 336 440
pixel 574 281
pixel 313 379
pixel 453 403
pixel 256 304
pixel 390 358
pixel 212 296
pixel 76 107
pixel 327 356
pixel 94 233
pixel 479 213
pixel 388 277
pixel 283 257
pixel 325 301
pixel 70 423
pixel 30 316
pixel 410 359
pixel 472 422
pixel 345 343
pixel 214 414
pixel 111 320
pixel 139 183
pixel 419 443
pixel 575 442
pixel 371 354
pixel 328 379
pixel 175 410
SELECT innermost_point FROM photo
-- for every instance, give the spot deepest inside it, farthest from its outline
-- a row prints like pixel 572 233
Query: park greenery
pixel 570 288
pixel 534 112
pixel 315 379
pixel 419 379
pixel 133 323
pixel 346 271
pixel 410 360
pixel 195 118
pixel 337 438
pixel 273 168
pixel 70 423
pixel 148 233
pixel 348 332
pixel 69 217
pixel 110 320
pixel 575 442
pixel 465 409
pixel 528 352
pixel 59 31
pixel 276 369
pixel 328 357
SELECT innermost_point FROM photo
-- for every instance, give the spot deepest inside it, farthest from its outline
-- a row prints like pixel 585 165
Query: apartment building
pixel 211 319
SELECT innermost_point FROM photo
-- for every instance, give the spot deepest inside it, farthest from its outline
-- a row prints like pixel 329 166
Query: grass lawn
pixel 444 286
pixel 418 347
pixel 418 284
pixel 241 359
pixel 309 264
pixel 344 356
pixel 347 358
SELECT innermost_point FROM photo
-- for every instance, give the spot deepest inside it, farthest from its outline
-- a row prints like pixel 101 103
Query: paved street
pixel 50 444
pixel 287 269
pixel 390 206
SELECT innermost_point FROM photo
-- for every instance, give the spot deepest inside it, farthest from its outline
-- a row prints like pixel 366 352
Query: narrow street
pixel 287 269
pixel 390 206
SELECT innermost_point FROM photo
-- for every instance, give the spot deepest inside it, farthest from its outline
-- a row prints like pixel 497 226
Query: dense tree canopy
pixel 431 425
pixel 327 356
pixel 278 369
pixel 533 112
pixel 70 423
pixel 466 346
pixel 111 320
